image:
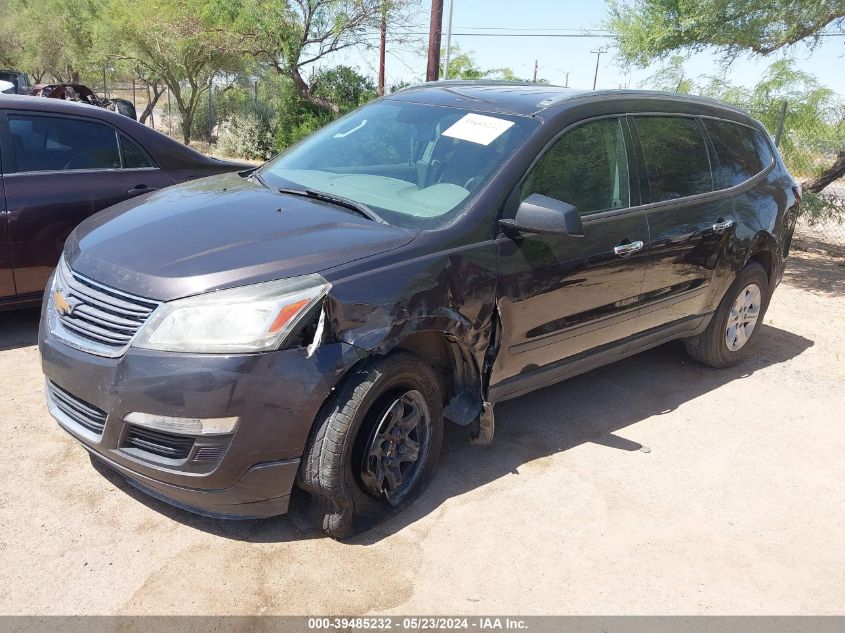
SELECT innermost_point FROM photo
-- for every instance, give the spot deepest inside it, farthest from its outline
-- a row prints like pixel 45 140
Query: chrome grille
pixel 84 414
pixel 105 317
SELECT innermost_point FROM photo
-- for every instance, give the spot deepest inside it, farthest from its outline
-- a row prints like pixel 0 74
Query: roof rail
pixel 478 82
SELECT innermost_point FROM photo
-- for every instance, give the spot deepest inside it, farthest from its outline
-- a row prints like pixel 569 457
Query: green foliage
pixel 249 133
pixel 289 36
pixel 270 114
pixel 817 208
pixel 653 29
pixel 179 41
pixel 462 65
pixel 671 77
pixel 50 39
pixel 345 87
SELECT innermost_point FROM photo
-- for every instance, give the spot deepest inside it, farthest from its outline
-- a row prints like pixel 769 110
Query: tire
pixel 351 485
pixel 720 347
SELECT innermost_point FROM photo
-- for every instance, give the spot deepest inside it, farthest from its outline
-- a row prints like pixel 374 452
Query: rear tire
pixel 361 464
pixel 736 323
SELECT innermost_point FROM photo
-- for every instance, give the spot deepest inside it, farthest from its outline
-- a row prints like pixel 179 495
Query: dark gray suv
pixel 313 322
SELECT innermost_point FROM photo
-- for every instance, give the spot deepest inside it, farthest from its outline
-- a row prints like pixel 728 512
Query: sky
pixel 557 56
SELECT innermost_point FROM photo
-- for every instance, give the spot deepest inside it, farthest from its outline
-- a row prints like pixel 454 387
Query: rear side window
pixel 587 167
pixel 742 152
pixel 45 143
pixel 675 157
pixel 133 156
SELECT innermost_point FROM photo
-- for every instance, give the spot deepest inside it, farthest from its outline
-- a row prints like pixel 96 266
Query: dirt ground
pixel 652 486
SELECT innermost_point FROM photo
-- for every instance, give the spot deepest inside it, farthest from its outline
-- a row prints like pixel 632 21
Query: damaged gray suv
pixel 311 323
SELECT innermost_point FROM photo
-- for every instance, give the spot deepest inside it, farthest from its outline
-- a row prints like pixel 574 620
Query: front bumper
pixel 249 473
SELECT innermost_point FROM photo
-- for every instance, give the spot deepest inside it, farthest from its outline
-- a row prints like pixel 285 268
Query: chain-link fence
pixel 825 233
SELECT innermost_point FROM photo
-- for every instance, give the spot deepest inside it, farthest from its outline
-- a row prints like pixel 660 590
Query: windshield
pixel 414 165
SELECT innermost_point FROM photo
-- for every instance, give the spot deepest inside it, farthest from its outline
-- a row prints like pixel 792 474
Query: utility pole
pixel 433 71
pixel 535 70
pixel 598 53
pixel 382 47
pixel 448 40
pixel 566 85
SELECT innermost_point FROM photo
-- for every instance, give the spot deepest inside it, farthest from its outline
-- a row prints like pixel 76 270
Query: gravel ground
pixel 652 486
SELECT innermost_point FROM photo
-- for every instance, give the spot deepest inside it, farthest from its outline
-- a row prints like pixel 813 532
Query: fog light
pixel 184 426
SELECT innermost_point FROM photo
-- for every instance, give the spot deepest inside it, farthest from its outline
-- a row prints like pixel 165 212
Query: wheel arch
pixel 453 362
pixel 764 251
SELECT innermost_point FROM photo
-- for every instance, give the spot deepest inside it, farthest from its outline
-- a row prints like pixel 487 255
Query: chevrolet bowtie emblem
pixel 63 306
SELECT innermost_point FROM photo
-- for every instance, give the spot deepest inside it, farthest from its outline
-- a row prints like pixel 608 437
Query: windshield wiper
pixel 361 209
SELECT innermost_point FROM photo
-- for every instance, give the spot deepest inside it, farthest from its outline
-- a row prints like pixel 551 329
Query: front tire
pixel 375 444
pixel 729 337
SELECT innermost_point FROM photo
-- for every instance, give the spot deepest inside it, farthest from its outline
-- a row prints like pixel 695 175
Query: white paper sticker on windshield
pixel 478 128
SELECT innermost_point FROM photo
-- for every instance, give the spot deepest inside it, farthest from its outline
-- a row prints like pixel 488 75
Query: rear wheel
pixel 729 336
pixel 375 445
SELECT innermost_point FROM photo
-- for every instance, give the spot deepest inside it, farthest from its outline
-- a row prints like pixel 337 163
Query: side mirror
pixel 541 214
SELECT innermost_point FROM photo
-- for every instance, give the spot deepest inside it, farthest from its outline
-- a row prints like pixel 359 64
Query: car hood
pixel 219 232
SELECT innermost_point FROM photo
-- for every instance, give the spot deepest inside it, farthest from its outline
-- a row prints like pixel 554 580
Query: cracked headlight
pixel 253 318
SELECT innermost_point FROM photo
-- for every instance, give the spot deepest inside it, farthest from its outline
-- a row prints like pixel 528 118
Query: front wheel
pixel 375 445
pixel 736 323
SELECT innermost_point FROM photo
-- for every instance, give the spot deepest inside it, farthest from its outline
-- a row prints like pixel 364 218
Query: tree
pixel 290 35
pixel 672 78
pixel 155 90
pixel 654 29
pixel 462 65
pixel 178 42
pixel 345 87
pixel 50 37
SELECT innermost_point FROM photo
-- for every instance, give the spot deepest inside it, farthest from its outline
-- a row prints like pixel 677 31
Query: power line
pixel 571 33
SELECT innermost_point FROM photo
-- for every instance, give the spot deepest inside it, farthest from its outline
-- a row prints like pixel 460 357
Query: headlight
pixel 252 318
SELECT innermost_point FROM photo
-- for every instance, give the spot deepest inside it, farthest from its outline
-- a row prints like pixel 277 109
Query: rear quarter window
pixel 742 152
pixel 675 157
pixel 133 156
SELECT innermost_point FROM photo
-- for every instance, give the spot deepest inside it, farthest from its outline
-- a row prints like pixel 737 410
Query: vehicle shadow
pixel 566 415
pixel 820 275
pixel 540 424
pixel 19 328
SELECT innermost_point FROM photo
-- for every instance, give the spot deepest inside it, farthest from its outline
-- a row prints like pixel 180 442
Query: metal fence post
pixel 780 123
pixel 210 122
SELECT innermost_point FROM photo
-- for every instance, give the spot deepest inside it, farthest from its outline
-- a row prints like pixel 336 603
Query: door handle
pixel 722 225
pixel 138 189
pixel 623 250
